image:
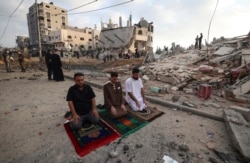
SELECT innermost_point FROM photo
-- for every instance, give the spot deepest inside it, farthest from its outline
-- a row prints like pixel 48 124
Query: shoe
pixel 68 114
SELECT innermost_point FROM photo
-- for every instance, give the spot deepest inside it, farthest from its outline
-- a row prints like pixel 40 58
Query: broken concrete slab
pixel 166 79
pixel 240 88
pixel 239 132
pixel 244 111
pixel 224 51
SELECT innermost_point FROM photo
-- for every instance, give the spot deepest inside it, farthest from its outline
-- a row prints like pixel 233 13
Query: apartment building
pixel 74 37
pixel 50 18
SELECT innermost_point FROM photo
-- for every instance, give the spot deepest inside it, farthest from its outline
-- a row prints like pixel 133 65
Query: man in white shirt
pixel 134 92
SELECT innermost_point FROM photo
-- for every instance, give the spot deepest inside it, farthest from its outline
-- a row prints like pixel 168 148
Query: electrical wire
pixel 10 18
pixel 102 8
pixel 76 8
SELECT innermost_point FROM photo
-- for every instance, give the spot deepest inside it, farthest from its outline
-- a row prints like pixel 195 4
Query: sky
pixel 178 21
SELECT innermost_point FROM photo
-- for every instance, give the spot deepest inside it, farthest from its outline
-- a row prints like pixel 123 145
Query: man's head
pixel 135 73
pixel 113 77
pixel 79 79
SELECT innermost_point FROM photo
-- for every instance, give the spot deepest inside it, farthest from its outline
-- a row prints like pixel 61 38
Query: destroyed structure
pixel 126 39
pixel 223 70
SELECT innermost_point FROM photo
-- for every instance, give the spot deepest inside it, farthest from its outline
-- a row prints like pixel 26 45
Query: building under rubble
pixel 128 38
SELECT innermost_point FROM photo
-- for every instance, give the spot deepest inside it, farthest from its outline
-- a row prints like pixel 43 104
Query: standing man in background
pixel 200 40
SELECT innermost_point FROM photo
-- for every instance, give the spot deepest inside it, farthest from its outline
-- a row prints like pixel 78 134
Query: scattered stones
pixel 138 145
pixel 188 104
pixel 113 154
pixel 223 156
pixel 175 98
pixel 215 105
pixel 210 145
pixel 125 148
pixel 183 148
pixel 212 160
pixel 40 133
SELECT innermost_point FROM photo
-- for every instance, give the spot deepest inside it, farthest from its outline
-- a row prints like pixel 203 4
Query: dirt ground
pixel 32 110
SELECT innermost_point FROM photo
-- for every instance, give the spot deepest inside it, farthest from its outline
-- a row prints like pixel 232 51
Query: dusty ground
pixel 32 110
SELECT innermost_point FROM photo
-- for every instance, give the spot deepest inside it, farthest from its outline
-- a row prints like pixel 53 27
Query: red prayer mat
pixel 91 137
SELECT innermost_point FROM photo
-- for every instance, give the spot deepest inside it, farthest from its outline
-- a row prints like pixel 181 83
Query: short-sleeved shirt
pixel 134 86
pixel 82 99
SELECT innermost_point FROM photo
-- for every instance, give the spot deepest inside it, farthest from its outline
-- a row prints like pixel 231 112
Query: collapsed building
pixel 126 39
pixel 224 65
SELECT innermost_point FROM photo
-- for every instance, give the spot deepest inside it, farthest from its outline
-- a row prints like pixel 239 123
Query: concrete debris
pixel 224 51
pixel 244 111
pixel 238 129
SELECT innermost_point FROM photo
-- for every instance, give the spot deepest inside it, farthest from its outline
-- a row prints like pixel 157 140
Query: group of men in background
pixel 198 41
pixel 8 58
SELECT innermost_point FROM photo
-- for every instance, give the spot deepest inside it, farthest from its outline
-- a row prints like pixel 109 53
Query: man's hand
pixel 95 113
pixel 137 104
pixel 144 101
pixel 124 108
pixel 76 118
pixel 113 110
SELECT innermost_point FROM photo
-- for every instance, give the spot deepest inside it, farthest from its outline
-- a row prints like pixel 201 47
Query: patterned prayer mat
pixel 90 137
pixel 150 115
pixel 125 125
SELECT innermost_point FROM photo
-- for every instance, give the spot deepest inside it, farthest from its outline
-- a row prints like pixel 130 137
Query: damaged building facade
pixel 128 38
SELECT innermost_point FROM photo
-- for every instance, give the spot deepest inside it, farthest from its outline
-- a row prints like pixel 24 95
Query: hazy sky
pixel 178 21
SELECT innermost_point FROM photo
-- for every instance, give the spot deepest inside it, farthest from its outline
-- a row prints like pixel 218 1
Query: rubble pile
pixel 225 66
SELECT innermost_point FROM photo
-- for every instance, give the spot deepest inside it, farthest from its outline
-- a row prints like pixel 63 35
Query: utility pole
pixel 38 32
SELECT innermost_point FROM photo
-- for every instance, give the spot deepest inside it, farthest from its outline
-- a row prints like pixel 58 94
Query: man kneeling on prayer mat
pixel 113 98
pixel 135 93
pixel 82 103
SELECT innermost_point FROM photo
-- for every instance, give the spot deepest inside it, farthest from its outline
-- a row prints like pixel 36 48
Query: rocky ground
pixel 32 110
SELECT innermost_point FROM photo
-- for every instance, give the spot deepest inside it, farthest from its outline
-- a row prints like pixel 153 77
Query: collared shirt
pixel 113 94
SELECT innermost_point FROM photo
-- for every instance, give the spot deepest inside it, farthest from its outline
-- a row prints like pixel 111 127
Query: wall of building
pixel 84 38
pixel 50 18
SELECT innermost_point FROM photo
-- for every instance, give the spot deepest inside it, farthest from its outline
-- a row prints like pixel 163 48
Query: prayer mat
pixel 90 137
pixel 149 115
pixel 125 125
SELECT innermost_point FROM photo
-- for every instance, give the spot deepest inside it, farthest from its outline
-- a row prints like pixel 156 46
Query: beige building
pixel 74 37
pixel 139 36
pixel 50 18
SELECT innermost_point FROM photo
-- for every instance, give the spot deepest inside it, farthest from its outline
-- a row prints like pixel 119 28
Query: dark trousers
pixel 50 71
pixel 22 67
pixel 87 117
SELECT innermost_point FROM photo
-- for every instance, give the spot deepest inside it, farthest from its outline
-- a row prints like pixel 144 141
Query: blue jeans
pixel 87 117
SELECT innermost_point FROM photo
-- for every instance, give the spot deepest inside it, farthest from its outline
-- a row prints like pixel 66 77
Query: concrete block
pixel 167 79
pixel 145 77
pixel 244 111
pixel 239 132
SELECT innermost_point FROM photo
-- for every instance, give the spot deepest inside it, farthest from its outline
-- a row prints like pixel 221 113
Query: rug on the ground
pixel 90 137
pixel 125 125
pixel 150 114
